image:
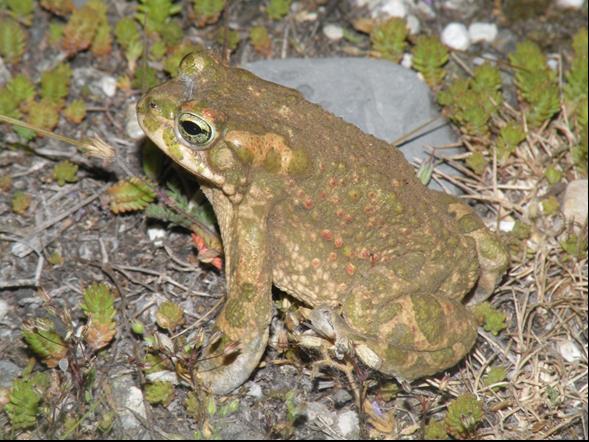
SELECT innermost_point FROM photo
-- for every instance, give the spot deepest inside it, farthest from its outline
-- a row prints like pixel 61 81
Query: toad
pixel 332 216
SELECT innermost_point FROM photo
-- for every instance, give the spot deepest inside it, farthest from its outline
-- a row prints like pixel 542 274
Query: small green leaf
pixel 169 315
pixel 550 205
pixel 21 202
pixel 429 57
pixel 160 392
pixel 277 9
pixel 553 174
pixel 464 414
pixel 493 320
pixel 23 406
pixel 65 172
pixel 495 375
pixel 130 195
pixel 389 38
pixel 477 162
pixel 12 40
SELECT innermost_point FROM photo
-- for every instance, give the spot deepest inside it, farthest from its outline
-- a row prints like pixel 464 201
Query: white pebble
pixel 3 309
pixel 255 391
pixel 485 32
pixel 156 235
pixel 333 32
pixel 455 36
pixel 574 205
pixel 392 8
pixel 570 351
pixel 132 127
pixel 348 424
pixel 506 225
pixel 108 85
pixel 407 61
pixel 573 4
pixel 413 24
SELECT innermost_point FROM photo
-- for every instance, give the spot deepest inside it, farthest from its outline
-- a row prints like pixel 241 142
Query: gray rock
pixel 380 97
pixel 8 373
pixel 128 400
pixel 348 424
pixel 574 205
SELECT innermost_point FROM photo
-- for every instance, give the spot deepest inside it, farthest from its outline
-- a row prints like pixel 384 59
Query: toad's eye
pixel 195 130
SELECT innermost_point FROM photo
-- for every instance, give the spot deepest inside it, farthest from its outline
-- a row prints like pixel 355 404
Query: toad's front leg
pixel 246 315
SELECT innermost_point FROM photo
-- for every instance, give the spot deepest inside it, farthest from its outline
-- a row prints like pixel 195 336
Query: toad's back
pixel 362 207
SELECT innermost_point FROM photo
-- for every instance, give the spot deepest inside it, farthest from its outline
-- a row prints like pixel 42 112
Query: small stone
pixel 341 397
pixel 455 36
pixel 3 309
pixel 8 372
pixel 482 32
pixel 574 205
pixel 570 351
pixel 348 424
pixel 333 32
pixel 129 404
pixel 316 411
pixel 407 61
pixel 255 391
pixel 157 235
pixel 570 4
pixel 108 84
pixel 506 225
pixel 132 127
pixel 413 24
pixel 391 8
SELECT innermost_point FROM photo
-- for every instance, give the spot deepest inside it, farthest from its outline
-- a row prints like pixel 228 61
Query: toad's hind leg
pixel 408 336
pixel 493 257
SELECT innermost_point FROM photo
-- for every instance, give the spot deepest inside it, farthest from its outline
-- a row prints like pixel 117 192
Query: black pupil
pixel 192 128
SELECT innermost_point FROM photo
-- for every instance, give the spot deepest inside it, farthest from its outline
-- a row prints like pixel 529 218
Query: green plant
pixel 130 195
pixel 44 113
pixel 576 77
pixel 82 27
pixel 495 375
pixel 472 103
pixel 464 414
pixel 55 83
pixel 429 57
pixel 129 38
pixel 23 9
pixel 44 341
pixel 169 315
pixel 477 162
pixel 23 406
pixel 75 112
pixel 277 9
pixel 510 136
pixel 261 41
pixel 98 306
pixel 12 40
pixel 552 174
pixel 156 14
pixel 58 7
pixel 550 205
pixel 536 83
pixel 65 172
pixel 208 11
pixel 388 38
pixel 575 245
pixel 160 392
pixel 21 88
pixel 435 430
pixel 21 202
pixel 493 320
